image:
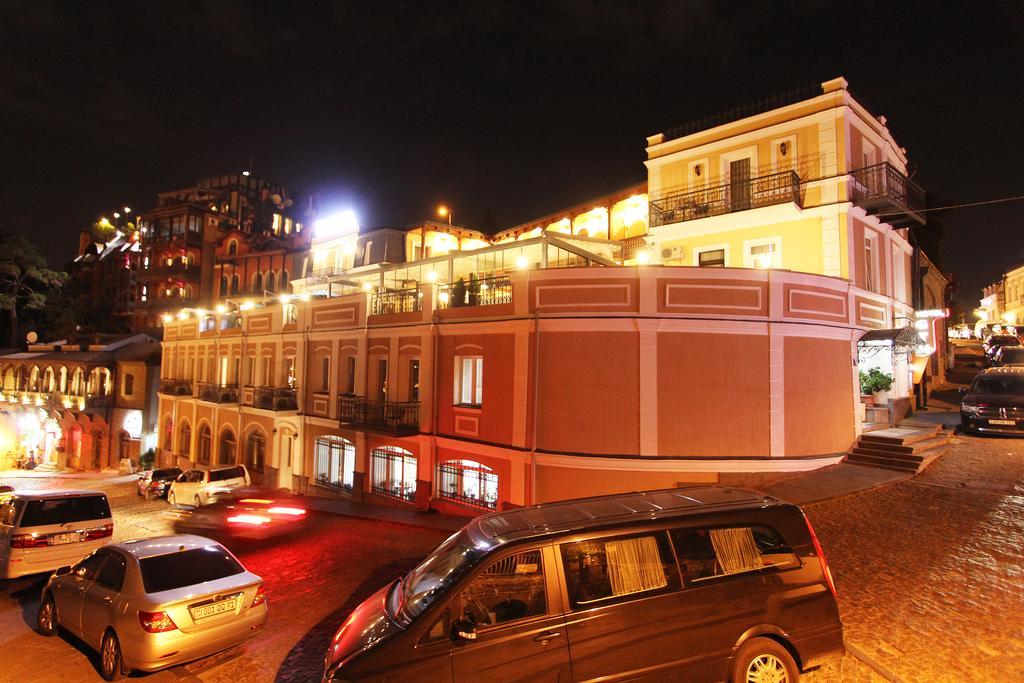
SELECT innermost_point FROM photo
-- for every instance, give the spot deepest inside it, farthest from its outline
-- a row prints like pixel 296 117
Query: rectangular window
pixel 290 367
pixel 710 553
pixel 414 380
pixel 869 264
pixel 763 254
pixel 714 258
pixel 605 569
pixel 266 379
pixel 367 252
pixel 382 379
pixel 129 384
pixel 251 371
pixel 510 589
pixel 350 375
pixel 469 380
pixel 325 373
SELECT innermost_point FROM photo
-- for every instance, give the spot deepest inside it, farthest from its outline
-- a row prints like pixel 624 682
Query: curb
pixel 875 666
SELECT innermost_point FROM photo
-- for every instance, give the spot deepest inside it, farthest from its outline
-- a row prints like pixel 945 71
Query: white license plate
pixel 1002 422
pixel 214 608
pixel 64 539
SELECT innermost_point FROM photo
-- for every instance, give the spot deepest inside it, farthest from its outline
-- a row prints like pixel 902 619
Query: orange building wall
pixel 819 393
pixel 588 398
pixel 560 483
pixel 493 421
pixel 722 378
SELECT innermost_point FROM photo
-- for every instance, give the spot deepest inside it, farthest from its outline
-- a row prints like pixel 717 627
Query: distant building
pixel 85 405
pixel 103 276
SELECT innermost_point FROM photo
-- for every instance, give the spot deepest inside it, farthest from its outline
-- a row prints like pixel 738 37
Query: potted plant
pixel 876 383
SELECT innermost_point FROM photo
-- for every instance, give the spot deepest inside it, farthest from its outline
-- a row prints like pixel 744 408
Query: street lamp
pixel 443 211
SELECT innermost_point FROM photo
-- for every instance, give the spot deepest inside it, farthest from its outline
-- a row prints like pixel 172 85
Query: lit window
pixel 469 380
pixel 393 473
pixel 713 258
pixel 335 463
pixel 763 254
pixel 277 223
pixel 469 482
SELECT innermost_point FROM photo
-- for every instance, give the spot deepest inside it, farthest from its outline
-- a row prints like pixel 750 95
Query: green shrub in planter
pixel 874 381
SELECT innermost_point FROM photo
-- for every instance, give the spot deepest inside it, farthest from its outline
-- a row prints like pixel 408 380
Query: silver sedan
pixel 149 604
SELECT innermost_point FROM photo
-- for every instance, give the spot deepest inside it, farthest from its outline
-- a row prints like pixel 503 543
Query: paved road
pixel 313 580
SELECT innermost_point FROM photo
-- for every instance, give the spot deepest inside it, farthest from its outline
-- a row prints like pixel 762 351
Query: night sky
pixel 503 110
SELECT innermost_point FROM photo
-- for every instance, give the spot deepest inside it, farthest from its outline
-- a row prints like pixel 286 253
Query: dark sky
pixel 517 108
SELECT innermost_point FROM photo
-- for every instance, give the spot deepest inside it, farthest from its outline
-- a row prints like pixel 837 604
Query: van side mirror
pixel 464 629
pixel 63 570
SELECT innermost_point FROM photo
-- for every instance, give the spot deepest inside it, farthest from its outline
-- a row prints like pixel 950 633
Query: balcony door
pixel 739 184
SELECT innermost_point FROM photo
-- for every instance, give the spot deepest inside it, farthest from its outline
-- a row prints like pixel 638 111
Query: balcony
pixel 177 269
pixel 486 291
pixel 176 387
pixel 396 301
pixel 217 393
pixel 767 190
pixel 98 402
pixel 271 398
pixel 881 189
pixel 631 246
pixel 395 418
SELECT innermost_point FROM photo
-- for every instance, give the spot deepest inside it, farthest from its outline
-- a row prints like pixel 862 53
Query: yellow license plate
pixel 214 609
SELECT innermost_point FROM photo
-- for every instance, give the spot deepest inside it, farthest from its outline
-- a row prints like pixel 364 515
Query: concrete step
pixel 881 462
pixel 901 436
pixel 913 447
pixel 874 453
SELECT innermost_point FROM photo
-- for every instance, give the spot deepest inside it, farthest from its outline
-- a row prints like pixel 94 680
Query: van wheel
pixel 46 618
pixel 111 662
pixel 762 660
pixel 197 501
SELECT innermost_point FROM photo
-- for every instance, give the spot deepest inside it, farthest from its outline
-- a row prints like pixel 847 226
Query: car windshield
pixel 997 384
pixel 1012 355
pixel 62 510
pixel 229 473
pixel 187 568
pixel 434 576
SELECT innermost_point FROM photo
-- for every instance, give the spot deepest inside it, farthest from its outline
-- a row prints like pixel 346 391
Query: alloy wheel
pixel 766 668
pixel 110 655
pixel 46 619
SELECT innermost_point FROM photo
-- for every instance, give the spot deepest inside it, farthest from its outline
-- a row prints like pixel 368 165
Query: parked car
pixel 1008 355
pixel 994 404
pixel 250 513
pixel 150 604
pixel 202 485
pixel 4 488
pixel 156 483
pixel 993 342
pixel 692 584
pixel 43 530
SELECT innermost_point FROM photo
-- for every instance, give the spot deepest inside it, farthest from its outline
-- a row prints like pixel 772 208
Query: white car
pixel 201 486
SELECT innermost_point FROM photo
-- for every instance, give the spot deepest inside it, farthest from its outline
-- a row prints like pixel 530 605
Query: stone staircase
pixel 908 447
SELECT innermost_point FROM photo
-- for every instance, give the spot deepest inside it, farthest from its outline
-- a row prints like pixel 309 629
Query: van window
pixel 604 569
pixel 708 553
pixel 62 510
pixel 510 589
pixel 229 473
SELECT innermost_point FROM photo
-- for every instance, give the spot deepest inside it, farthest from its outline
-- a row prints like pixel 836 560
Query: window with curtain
pixel 606 569
pixel 228 448
pixel 468 482
pixel 205 442
pixel 710 553
pixel 335 463
pixel 255 451
pixel 469 380
pixel 185 439
pixel 393 472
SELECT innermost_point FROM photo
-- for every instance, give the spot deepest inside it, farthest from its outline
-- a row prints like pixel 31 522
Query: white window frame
pixel 697 251
pixel 871 279
pixel 472 386
pixel 776 257
pixel 725 159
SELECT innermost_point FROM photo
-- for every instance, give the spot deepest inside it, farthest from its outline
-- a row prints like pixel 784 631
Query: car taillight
pixel 261 596
pixel 156 485
pixel 28 541
pixel 294 512
pixel 102 532
pixel 156 622
pixel 821 557
pixel 254 520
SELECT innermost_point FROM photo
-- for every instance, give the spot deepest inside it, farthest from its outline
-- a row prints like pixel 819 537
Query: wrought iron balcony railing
pixel 484 291
pixel 393 417
pixel 631 246
pixel 396 301
pixel 767 190
pixel 271 398
pixel 176 387
pixel 217 393
pixel 882 189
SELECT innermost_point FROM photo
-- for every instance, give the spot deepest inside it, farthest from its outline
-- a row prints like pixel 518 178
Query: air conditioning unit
pixel 672 253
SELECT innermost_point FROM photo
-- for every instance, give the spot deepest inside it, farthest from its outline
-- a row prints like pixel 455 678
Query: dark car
pixel 1008 355
pixel 995 402
pixel 689 584
pixel 249 513
pixel 993 342
pixel 156 483
pixel 4 488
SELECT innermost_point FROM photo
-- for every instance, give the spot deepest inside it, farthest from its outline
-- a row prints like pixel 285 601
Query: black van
pixel 695 584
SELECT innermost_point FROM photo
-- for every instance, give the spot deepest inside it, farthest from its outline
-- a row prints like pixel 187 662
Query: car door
pixel 100 601
pixel 514 605
pixel 69 591
pixel 186 486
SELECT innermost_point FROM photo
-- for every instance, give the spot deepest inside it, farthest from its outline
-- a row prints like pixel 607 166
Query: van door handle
pixel 109 599
pixel 547 636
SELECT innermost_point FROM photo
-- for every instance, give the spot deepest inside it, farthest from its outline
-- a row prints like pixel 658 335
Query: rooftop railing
pixel 485 291
pixel 396 301
pixel 767 190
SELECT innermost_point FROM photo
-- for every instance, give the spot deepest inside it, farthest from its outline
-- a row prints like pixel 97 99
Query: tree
pixel 25 280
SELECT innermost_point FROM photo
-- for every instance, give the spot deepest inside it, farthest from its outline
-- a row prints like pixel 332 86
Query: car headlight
pixel 970 409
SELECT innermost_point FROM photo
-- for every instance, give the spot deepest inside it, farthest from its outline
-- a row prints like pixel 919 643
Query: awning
pixel 901 336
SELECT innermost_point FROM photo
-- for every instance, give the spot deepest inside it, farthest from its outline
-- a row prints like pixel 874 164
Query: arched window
pixel 257 283
pixel 286 286
pixel 234 284
pixel 232 247
pixel 468 482
pixel 188 292
pixel 335 463
pixel 168 434
pixel 228 447
pixel 203 451
pixel 10 380
pixel 223 285
pixel 185 439
pixel 49 380
pixel 393 472
pixel 33 382
pixel 255 451
pixel 76 382
pixel 271 282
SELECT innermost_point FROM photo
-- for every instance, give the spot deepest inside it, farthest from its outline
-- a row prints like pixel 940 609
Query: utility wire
pixel 956 206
